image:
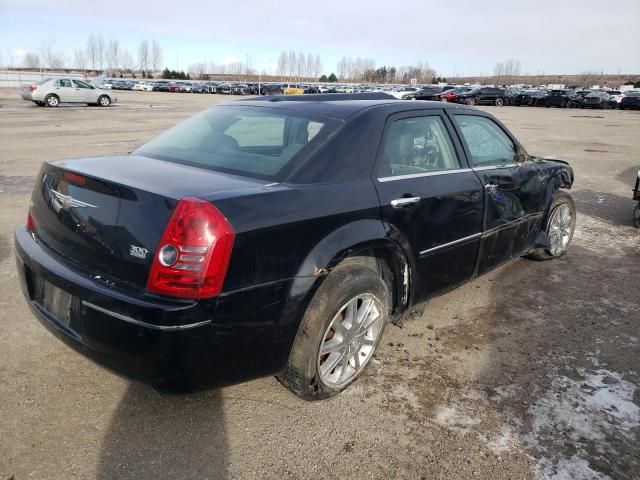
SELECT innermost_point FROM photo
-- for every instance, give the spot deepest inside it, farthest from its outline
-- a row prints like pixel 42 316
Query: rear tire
pixel 559 226
pixel 52 100
pixel 349 346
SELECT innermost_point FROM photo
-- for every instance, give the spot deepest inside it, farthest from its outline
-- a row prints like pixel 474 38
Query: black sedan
pixel 598 99
pixel 531 98
pixel 631 100
pixel 560 98
pixel 425 93
pixel 279 235
pixel 483 96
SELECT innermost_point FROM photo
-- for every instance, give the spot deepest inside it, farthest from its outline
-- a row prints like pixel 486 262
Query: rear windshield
pixel 250 141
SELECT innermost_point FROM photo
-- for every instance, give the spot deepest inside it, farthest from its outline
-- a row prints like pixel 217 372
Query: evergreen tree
pixel 323 78
pixel 332 78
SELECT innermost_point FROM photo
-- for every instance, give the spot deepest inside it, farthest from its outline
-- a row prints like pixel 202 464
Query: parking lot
pixel 532 371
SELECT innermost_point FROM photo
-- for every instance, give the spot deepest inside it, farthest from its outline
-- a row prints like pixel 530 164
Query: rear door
pixel 513 191
pixel 431 201
pixel 65 90
pixel 485 95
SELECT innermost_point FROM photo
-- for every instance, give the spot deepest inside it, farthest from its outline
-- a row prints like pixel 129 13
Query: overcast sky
pixel 463 37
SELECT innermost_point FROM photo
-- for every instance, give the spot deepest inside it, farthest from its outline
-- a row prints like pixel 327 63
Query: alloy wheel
pixel 349 341
pixel 560 230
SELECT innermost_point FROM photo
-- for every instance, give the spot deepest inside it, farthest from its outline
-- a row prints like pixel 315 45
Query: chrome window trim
pixel 489 167
pixel 425 174
pixel 124 318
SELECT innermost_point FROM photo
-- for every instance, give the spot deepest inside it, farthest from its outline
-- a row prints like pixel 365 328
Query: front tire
pixel 499 102
pixel 104 101
pixel 471 101
pixel 52 100
pixel 339 333
pixel 560 226
pixel 636 216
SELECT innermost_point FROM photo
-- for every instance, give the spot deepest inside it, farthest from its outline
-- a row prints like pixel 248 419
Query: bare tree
pixel 101 51
pixel 51 58
pixel 317 66
pixel 309 66
pixel 80 59
pixel 197 70
pixel 126 60
pixel 341 68
pixel 31 60
pixel 283 62
pixel 143 55
pixel 113 54
pixel 92 51
pixel 156 56
pixel 292 63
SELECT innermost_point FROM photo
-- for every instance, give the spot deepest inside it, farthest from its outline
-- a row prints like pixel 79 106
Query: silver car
pixel 54 91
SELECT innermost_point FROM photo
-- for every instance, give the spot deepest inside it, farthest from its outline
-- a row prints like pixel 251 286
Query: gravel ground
pixel 531 371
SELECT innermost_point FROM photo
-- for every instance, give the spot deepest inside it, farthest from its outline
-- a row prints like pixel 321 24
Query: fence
pixel 17 78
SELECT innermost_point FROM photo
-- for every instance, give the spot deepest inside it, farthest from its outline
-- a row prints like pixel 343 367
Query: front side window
pixel 417 145
pixel 250 141
pixel 486 141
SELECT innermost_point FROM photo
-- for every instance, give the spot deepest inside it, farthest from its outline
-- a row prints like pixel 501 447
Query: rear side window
pixel 63 83
pixel 486 141
pixel 252 141
pixel 417 145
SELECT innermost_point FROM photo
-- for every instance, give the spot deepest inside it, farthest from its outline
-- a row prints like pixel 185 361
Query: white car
pixel 616 95
pixel 401 91
pixel 143 87
pixel 54 91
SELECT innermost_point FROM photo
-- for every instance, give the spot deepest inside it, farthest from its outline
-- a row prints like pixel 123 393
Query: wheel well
pixel 391 266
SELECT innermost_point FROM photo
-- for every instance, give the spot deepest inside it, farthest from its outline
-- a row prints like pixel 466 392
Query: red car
pixel 174 88
pixel 450 95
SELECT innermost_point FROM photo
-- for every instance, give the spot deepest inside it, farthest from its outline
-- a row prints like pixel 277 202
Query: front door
pixel 511 189
pixel 431 202
pixel 85 92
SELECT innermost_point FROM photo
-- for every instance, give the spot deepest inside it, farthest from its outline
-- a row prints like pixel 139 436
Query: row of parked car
pixel 575 97
pixel 571 97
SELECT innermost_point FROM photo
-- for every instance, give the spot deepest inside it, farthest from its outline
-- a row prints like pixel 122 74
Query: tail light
pixel 31 224
pixel 192 257
pixel 33 87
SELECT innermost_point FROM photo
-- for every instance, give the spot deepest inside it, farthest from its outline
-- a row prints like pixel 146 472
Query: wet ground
pixel 532 371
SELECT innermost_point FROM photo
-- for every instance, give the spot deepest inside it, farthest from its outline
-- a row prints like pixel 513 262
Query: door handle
pixel 404 202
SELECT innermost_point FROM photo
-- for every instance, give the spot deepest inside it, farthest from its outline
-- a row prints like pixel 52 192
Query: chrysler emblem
pixel 66 201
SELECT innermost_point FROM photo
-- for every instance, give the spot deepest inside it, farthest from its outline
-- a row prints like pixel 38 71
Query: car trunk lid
pixel 106 215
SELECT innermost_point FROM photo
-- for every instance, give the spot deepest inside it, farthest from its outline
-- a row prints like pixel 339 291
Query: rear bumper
pixel 174 345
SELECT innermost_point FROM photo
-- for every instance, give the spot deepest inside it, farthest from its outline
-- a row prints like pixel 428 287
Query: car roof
pixel 341 106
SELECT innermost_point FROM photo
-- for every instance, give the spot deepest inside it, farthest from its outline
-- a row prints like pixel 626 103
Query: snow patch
pixel 590 411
